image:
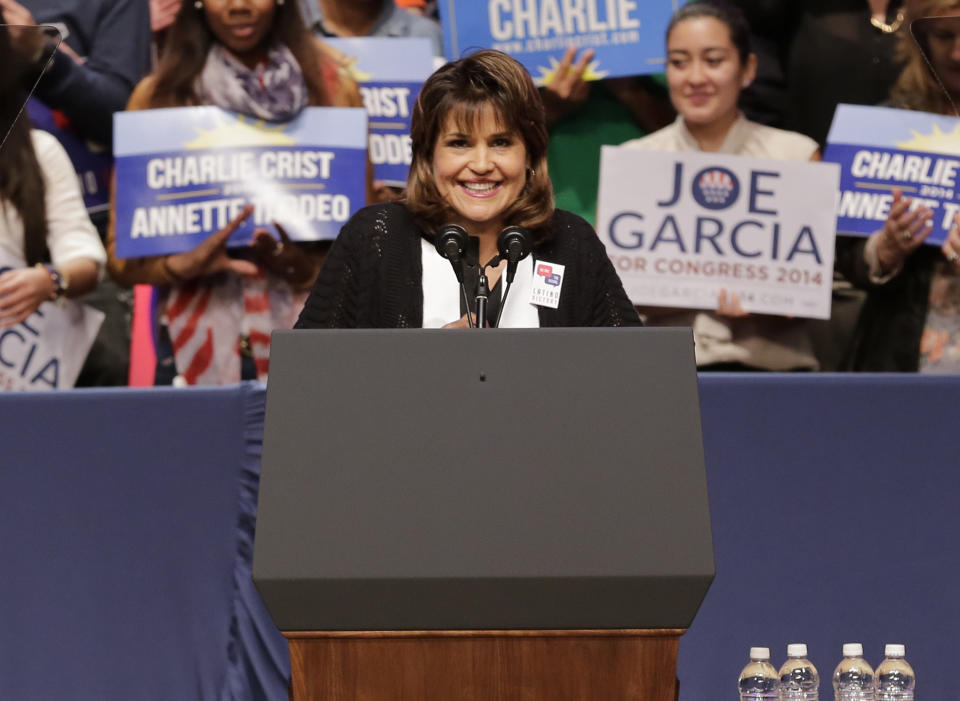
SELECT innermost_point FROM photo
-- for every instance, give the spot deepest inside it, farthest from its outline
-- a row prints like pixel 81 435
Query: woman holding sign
pixel 479 161
pixel 257 58
pixel 709 63
pixel 910 320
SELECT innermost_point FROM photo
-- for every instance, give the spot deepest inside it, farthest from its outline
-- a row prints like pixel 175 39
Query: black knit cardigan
pixel 372 277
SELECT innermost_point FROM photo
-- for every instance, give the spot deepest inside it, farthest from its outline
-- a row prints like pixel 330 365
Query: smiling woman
pixel 479 142
pixel 709 62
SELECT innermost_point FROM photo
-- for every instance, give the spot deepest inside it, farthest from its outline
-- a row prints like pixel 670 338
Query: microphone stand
pixel 503 303
pixel 483 293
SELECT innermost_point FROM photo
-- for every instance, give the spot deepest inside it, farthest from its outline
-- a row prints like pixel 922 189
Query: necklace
pixel 888 28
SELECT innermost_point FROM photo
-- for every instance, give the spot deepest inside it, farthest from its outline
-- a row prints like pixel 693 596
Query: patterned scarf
pixel 274 90
pixel 212 321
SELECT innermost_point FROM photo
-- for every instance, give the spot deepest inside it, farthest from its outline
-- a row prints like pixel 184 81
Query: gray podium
pixel 483 514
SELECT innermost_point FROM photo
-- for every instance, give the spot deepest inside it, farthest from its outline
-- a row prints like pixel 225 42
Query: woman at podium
pixel 479 141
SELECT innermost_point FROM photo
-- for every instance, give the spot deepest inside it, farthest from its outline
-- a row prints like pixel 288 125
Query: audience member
pixel 219 52
pixel 479 161
pixel 360 18
pixel 43 223
pixel 105 51
pixel 708 63
pixel 842 51
pixel 911 318
pixel 772 23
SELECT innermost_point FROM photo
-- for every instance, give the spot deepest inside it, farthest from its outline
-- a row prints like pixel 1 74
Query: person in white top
pixel 48 245
pixel 709 63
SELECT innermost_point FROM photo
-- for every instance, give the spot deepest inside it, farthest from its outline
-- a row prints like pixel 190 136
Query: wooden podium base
pixel 555 665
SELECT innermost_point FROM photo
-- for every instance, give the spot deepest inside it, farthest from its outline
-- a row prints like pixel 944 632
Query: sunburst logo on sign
pixel 937 141
pixel 240 132
pixel 548 75
pixel 353 70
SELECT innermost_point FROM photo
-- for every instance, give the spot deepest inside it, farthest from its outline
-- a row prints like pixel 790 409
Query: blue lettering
pixel 703 236
pixel 668 223
pixel 736 231
pixel 637 235
pixel 53 365
pixel 9 333
pixel 755 191
pixel 805 235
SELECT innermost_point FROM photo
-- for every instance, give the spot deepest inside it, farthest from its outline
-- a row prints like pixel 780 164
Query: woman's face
pixel 241 25
pixel 704 71
pixel 943 44
pixel 479 170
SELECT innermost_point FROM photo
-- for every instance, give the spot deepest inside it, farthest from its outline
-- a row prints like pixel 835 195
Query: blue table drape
pixel 127 521
pixel 126 524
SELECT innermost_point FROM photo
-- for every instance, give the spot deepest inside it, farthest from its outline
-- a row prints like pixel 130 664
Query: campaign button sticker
pixel 715 188
pixel 547 282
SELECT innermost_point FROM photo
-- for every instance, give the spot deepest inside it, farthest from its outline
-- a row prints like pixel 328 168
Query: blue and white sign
pixel 93 163
pixel 47 350
pixel 879 149
pixel 186 172
pixel 627 35
pixel 681 227
pixel 390 72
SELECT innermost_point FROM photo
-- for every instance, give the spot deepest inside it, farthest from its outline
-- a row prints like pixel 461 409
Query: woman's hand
pixel 951 247
pixel 568 89
pixel 729 305
pixel 902 233
pixel 210 256
pixel 283 257
pixel 22 291
pixel 162 13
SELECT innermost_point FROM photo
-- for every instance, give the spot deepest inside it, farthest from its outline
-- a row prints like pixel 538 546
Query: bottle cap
pixel 759 653
pixel 797 650
pixel 852 650
pixel 894 650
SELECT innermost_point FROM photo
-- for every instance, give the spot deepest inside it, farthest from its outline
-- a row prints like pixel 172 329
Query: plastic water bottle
pixel 799 680
pixel 758 680
pixel 895 680
pixel 853 677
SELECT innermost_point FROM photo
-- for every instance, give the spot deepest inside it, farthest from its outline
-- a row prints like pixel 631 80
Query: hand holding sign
pixel 729 305
pixel 951 247
pixel 283 257
pixel 210 256
pixel 568 89
pixel 22 291
pixel 904 232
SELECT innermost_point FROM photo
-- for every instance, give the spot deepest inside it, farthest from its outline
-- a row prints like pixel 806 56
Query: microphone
pixel 451 242
pixel 514 244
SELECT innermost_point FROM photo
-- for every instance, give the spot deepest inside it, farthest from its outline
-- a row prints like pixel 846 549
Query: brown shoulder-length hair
pixel 463 89
pixel 189 39
pixel 917 88
pixel 21 177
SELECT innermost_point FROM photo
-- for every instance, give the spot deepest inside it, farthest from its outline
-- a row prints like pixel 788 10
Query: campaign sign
pixel 390 72
pixel 186 172
pixel 47 350
pixel 92 162
pixel 627 35
pixel 680 227
pixel 879 149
